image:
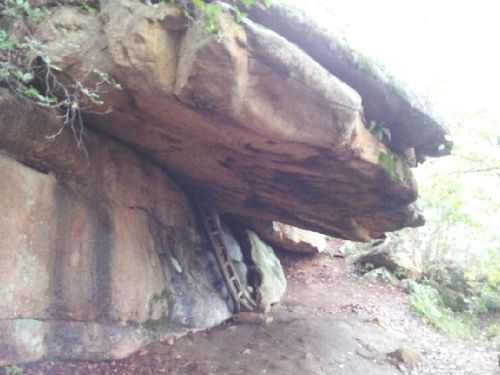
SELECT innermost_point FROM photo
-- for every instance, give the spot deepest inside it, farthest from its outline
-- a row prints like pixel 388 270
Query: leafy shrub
pixel 491 299
pixel 367 267
pixel 449 275
pixel 493 330
pixel 453 299
pixel 382 133
pixel 13 370
pixel 27 69
pixel 400 273
pixel 211 12
pixel 427 303
pixel 488 300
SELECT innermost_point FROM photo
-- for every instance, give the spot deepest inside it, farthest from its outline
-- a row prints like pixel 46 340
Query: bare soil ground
pixel 328 323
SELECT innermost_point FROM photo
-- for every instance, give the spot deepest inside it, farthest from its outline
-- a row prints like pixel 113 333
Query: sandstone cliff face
pixel 251 119
pixel 96 260
pixel 101 255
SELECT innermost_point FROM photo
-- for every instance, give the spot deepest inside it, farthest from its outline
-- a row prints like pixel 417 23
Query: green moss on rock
pixel 407 175
pixel 156 324
pixel 158 297
pixel 389 162
pixel 164 320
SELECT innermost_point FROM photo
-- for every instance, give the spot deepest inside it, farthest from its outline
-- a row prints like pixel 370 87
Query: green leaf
pixel 247 3
pixel 31 91
pixel 51 99
pixel 87 7
pixel 372 125
pixel 28 77
pixel 387 133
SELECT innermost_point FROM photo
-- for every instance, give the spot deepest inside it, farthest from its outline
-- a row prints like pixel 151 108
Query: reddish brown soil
pixel 328 323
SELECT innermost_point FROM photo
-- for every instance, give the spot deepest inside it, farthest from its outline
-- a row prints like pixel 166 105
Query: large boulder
pixel 251 119
pixel 380 274
pixel 403 262
pixel 98 256
pixel 287 237
pixel 273 282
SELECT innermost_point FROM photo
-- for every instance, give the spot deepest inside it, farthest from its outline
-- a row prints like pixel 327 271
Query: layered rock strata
pixel 250 118
pixel 101 251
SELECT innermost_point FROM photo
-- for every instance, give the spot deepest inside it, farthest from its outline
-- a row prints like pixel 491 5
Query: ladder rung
pixel 213 228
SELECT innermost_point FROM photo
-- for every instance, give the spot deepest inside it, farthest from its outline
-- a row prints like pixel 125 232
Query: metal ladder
pixel 211 221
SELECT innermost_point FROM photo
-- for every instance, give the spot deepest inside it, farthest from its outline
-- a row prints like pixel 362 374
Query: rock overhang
pixel 387 100
pixel 257 120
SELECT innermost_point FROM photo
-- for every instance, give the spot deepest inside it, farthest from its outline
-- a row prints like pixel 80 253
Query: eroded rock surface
pixel 95 260
pixel 412 122
pixel 273 282
pixel 251 119
pixel 290 238
pixel 404 261
pixel 101 251
pixel 100 256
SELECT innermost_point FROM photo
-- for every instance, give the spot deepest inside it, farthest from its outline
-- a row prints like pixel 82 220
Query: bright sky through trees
pixel 453 46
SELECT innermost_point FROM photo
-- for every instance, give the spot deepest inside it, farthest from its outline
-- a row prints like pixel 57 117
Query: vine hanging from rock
pixel 27 70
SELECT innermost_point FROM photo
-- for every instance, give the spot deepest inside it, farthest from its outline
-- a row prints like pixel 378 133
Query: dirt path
pixel 328 323
pixel 339 294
